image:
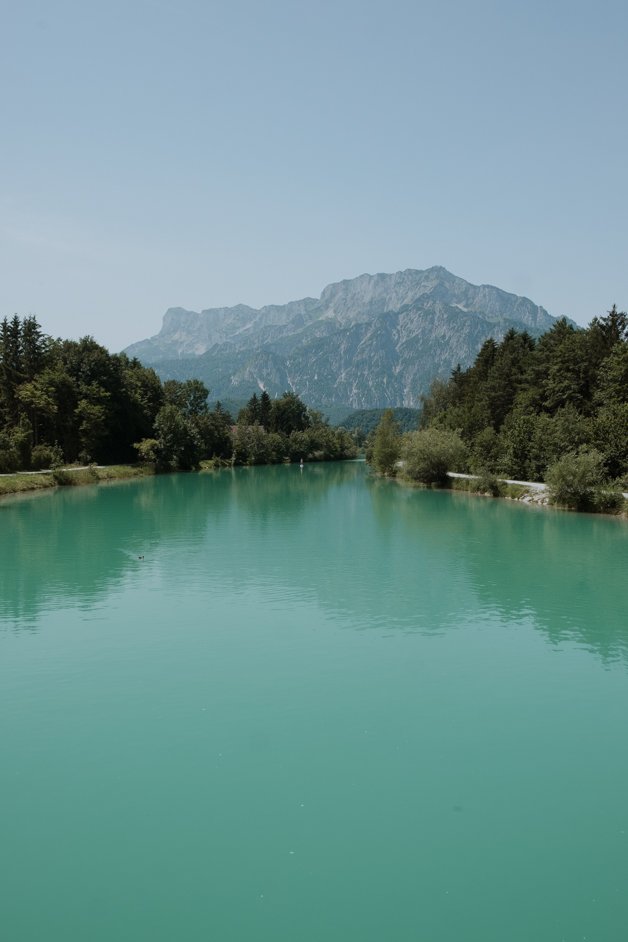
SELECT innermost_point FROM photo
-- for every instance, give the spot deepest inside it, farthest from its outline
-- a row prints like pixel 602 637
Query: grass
pixel 213 464
pixel 489 486
pixel 119 472
pixel 21 483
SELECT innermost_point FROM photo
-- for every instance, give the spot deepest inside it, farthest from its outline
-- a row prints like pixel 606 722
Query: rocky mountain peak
pixel 374 340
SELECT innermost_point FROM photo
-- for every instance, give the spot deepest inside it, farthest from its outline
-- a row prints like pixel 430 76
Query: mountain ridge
pixel 368 342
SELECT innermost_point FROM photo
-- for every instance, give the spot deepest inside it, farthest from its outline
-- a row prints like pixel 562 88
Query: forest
pixel 553 409
pixel 67 401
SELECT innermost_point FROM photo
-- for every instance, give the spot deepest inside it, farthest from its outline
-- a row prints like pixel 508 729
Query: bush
pixel 9 458
pixel 487 483
pixel 608 502
pixel 62 477
pixel 147 450
pixel 574 480
pixel 68 477
pixel 46 456
pixel 429 454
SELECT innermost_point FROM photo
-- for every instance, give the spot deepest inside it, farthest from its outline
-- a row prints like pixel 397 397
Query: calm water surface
pixel 321 708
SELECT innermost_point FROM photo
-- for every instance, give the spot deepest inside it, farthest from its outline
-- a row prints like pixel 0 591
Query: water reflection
pixel 77 544
pixel 375 554
pixel 565 572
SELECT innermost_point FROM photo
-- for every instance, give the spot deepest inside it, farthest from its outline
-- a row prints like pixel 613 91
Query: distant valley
pixel 368 342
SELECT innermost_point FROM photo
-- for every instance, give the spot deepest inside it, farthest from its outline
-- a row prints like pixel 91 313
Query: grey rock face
pixel 372 341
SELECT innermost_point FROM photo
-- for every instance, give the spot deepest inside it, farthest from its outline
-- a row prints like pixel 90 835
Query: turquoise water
pixel 322 707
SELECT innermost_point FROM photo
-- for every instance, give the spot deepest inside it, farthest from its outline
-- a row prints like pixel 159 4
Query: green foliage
pixel 46 456
pixel 612 388
pixel 179 446
pixel 22 440
pixel 147 450
pixel 189 397
pixel 488 483
pixel 251 445
pixel 386 448
pixel 264 411
pixel 430 453
pixel 363 422
pixel 610 436
pixel 67 477
pixel 574 480
pixel 524 405
pixel 289 414
pixel 65 400
pixel 486 452
pixel 441 397
pixel 284 429
pixel 9 457
pixel 214 431
pixel 250 414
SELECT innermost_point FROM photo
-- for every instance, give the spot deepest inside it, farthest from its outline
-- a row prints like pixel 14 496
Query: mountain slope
pixel 372 341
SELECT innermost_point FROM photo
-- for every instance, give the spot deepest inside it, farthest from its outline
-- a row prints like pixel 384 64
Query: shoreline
pixel 32 482
pixel 532 494
pixel 27 483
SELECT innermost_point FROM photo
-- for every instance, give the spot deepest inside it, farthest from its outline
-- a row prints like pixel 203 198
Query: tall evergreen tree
pixel 265 409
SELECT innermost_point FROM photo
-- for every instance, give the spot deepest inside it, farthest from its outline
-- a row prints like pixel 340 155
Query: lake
pixel 320 707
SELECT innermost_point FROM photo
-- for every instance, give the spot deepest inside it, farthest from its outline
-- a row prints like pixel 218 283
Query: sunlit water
pixel 320 708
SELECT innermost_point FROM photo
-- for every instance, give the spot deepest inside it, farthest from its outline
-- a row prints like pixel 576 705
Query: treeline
pixel 525 403
pixel 66 401
pixel 550 409
pixel 273 430
pixel 363 422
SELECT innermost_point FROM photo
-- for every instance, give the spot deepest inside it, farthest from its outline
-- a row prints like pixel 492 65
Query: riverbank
pixel 532 493
pixel 26 482
pixel 23 482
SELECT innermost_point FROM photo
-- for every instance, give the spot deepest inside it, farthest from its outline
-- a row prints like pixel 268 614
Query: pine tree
pixel 265 410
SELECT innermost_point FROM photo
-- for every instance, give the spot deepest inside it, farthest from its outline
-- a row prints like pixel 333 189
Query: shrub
pixel 147 450
pixel 62 477
pixel 429 454
pixel 69 477
pixel 574 480
pixel 608 502
pixel 46 456
pixel 487 483
pixel 9 458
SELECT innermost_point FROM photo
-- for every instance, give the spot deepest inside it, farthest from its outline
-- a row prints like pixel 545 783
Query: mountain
pixel 368 342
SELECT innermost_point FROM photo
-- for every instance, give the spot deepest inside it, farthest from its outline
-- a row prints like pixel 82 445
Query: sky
pixel 192 153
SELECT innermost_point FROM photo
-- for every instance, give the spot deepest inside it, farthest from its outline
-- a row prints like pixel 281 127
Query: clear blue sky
pixel 196 153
